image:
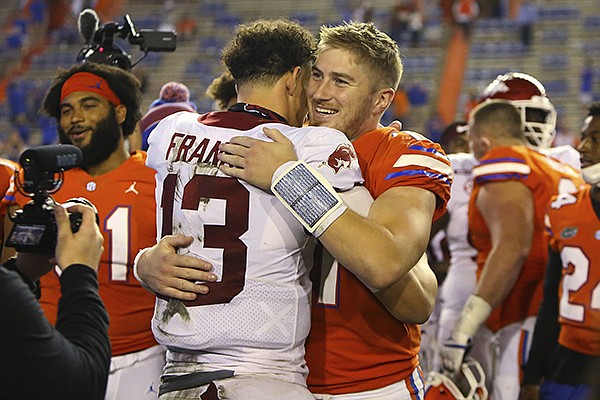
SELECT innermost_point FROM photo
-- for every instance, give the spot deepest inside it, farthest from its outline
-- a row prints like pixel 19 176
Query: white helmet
pixel 467 384
pixel 528 95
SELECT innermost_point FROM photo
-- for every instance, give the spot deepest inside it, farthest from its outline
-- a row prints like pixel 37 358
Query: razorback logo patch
pixel 342 157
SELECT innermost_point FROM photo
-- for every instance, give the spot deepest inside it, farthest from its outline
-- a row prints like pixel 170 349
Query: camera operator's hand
pixel 85 246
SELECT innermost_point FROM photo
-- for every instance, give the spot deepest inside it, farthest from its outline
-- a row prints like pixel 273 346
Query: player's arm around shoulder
pixel 383 248
pixel 412 298
pixel 160 269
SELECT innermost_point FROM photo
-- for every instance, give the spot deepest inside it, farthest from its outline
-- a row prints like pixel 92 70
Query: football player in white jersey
pixel 245 338
pixel 460 279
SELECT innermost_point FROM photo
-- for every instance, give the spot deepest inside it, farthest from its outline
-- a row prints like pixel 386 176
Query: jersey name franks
pixel 191 148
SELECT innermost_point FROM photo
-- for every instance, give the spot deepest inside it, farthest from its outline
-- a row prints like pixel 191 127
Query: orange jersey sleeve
pixel 126 209
pixel 7 172
pixel 389 158
pixel 574 230
pixel 355 344
pixel 545 177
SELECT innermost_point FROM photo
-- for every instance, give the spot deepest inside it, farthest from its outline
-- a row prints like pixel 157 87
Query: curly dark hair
pixel 222 90
pixel 264 50
pixel 594 109
pixel 125 85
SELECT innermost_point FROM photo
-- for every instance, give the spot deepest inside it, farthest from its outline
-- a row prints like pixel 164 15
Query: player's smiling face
pixel 340 93
pixel 92 123
pixel 80 113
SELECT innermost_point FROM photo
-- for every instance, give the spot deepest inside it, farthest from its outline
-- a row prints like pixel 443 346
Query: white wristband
pixel 474 313
pixel 329 219
pixel 308 196
pixel 135 267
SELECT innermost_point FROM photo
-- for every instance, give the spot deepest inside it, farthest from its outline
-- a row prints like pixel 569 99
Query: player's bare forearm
pixel 382 248
pixel 164 271
pixel 499 275
pixel 412 298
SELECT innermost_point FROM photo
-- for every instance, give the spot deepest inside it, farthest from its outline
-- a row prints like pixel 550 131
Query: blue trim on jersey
pixel 525 348
pixel 496 177
pixel 505 159
pixel 413 172
pixel 428 150
pixel 416 390
pixel 550 390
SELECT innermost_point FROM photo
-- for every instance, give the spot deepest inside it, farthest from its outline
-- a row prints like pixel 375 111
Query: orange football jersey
pixel 574 230
pixel 355 344
pixel 545 177
pixel 126 208
pixel 7 171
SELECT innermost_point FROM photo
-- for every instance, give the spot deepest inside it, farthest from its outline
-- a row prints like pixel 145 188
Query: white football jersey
pixel 565 153
pixel 460 280
pixel 257 316
pixel 458 225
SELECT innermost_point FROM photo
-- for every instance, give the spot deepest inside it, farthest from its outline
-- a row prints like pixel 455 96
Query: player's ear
pixel 383 100
pixel 486 145
pixel 294 81
pixel 121 113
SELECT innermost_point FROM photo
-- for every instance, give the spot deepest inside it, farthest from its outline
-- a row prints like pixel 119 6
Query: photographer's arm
pixel 71 361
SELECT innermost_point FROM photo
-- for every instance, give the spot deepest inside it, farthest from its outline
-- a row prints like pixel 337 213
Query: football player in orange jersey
pixel 512 186
pixel 570 312
pixel 97 107
pixel 357 348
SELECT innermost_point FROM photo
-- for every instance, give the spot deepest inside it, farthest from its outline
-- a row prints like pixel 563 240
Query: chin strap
pixel 591 174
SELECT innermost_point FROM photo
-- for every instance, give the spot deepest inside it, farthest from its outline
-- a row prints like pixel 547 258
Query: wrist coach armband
pixel 310 198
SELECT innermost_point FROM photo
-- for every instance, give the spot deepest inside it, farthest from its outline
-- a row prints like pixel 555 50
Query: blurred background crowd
pixel 451 51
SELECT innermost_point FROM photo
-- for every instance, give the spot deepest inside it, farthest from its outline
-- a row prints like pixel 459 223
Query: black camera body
pixel 34 229
pixel 102 49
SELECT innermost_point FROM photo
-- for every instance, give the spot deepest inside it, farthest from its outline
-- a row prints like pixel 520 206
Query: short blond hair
pixel 369 45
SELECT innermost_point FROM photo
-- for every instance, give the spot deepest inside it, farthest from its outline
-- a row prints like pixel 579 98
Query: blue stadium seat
pixel 305 18
pixel 558 13
pixel 212 44
pixel 591 48
pixel 592 23
pixel 227 20
pixel 554 35
pixel 554 61
pixel 208 9
pixel 197 68
pixel 556 87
